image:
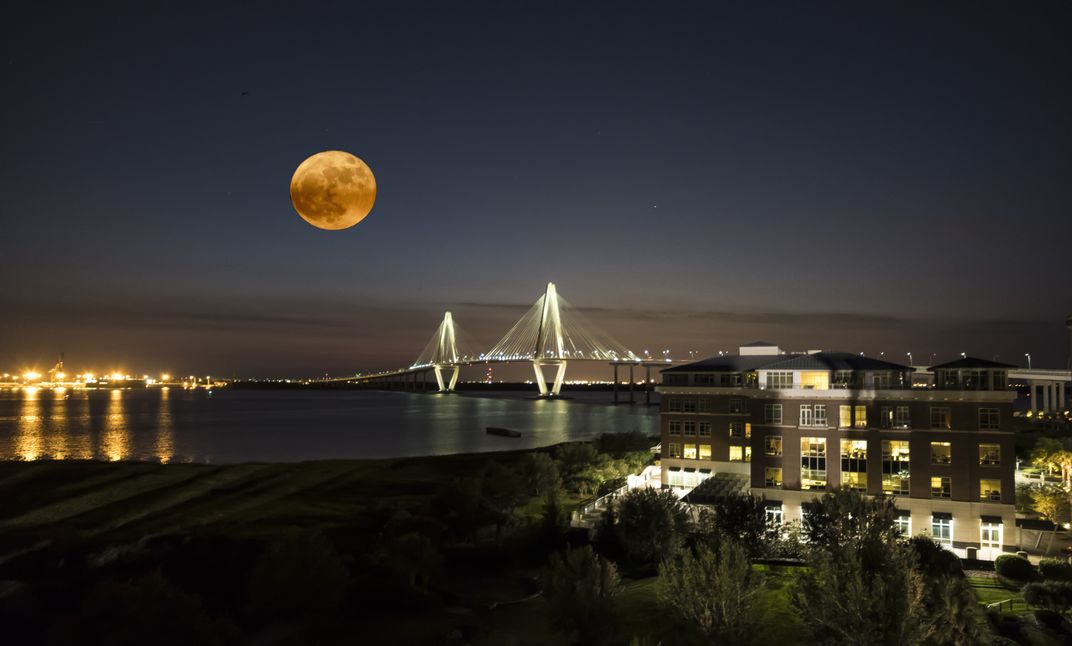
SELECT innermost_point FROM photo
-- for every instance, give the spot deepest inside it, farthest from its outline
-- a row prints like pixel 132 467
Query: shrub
pixel 1049 595
pixel 1014 567
pixel 1057 569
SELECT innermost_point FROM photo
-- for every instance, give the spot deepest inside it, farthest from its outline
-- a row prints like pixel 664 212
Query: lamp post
pixel 1028 355
pixel 909 357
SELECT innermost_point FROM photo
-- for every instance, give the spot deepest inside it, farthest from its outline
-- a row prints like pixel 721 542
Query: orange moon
pixel 333 190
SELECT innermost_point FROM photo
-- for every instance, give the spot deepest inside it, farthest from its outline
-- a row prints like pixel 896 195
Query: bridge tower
pixel 442 354
pixel 550 349
pixel 552 333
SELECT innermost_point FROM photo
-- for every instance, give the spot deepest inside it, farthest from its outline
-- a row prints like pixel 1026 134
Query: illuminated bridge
pixel 551 334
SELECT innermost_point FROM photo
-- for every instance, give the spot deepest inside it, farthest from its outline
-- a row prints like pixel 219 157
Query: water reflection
pixel 28 442
pixel 164 449
pixel 115 444
pixel 236 426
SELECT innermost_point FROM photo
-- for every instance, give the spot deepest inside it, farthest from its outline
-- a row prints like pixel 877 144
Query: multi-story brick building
pixel 791 426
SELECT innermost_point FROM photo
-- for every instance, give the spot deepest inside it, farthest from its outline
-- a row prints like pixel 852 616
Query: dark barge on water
pixel 504 432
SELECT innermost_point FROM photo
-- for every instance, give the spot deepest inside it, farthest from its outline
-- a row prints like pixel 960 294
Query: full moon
pixel 333 190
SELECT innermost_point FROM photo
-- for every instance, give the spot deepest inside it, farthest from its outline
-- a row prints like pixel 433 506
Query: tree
pixel 651 525
pixel 461 508
pixel 744 519
pixel 574 457
pixel 953 612
pixel 145 610
pixel 540 473
pixel 952 607
pixel 849 518
pixel 1049 501
pixel 415 557
pixel 842 599
pixel 580 586
pixel 553 521
pixel 298 578
pixel 1052 455
pixel 502 490
pixel 714 590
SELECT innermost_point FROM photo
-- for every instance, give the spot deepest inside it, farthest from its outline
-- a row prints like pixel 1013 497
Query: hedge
pixel 1056 569
pixel 1014 567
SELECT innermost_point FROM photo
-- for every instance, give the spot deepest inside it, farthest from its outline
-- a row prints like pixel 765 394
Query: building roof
pixel 973 363
pixel 760 344
pixel 726 363
pixel 834 361
pixel 814 361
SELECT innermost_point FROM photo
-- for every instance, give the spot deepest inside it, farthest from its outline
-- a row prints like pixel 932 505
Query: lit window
pixel 813 463
pixel 990 535
pixel 895 467
pixel 736 453
pixel 737 429
pixel 941 417
pixel 690 452
pixel 775 515
pixel 989 419
pixel 941 453
pixel 705 451
pixel 989 490
pixel 772 413
pixel 772 445
pixel 942 530
pixel 854 464
pixel 941 487
pixel 815 380
pixel 903 524
pixel 860 417
pixel 772 477
pixel 990 455
pixel 844 416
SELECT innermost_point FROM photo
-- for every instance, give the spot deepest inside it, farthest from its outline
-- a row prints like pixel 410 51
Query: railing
pixel 601 502
pixel 1010 603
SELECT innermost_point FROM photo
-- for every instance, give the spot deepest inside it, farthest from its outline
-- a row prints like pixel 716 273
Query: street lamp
pixel 909 357
pixel 1028 355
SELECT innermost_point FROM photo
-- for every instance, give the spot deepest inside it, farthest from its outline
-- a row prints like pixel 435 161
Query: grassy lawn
pixel 992 590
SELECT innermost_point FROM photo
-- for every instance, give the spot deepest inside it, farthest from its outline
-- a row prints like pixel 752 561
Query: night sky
pixel 852 176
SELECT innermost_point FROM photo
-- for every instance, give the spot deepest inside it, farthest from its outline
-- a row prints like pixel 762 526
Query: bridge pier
pixel 647 385
pixel 541 381
pixel 632 385
pixel 615 366
pixel 445 387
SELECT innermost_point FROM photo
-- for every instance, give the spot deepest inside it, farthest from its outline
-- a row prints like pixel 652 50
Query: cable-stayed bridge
pixel 551 334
